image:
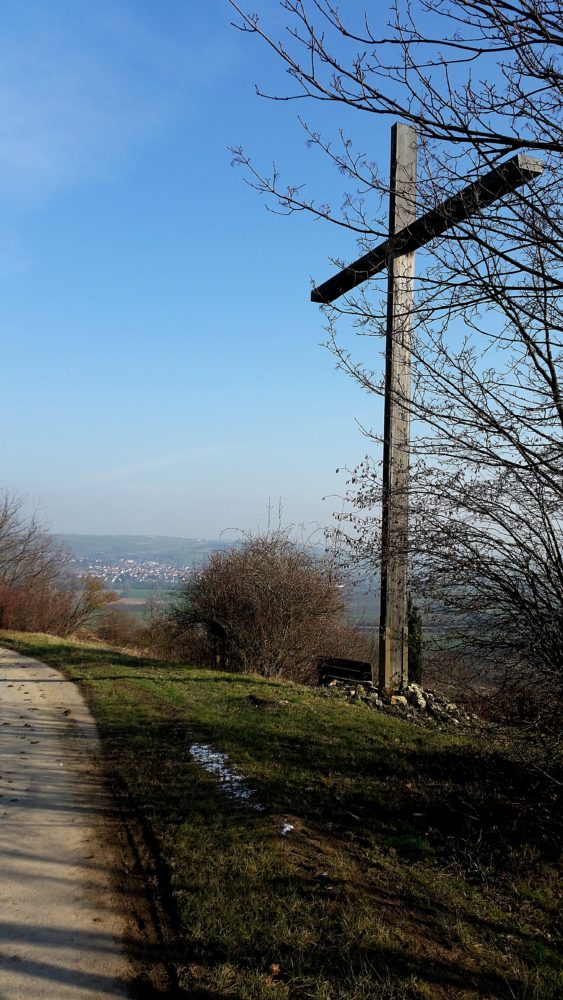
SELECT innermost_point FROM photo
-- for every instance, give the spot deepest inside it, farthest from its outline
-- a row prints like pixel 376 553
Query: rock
pixel 415 697
pixel 398 699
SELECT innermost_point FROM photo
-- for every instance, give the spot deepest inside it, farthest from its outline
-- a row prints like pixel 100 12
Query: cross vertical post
pixel 393 627
pixel 396 253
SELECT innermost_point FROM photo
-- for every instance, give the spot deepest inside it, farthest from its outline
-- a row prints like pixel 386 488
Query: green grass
pixel 421 865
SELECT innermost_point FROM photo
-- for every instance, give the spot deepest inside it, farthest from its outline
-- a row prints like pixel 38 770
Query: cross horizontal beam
pixel 500 181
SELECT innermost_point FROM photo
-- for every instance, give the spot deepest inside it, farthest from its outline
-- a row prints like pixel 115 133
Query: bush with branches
pixel 266 605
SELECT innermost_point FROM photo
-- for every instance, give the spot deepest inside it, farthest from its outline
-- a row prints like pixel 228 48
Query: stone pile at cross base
pixel 414 702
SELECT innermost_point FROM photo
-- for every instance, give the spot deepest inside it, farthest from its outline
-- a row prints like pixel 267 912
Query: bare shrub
pixel 119 628
pixel 494 691
pixel 268 606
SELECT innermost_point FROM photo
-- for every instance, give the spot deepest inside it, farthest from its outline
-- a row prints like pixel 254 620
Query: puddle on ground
pixel 233 784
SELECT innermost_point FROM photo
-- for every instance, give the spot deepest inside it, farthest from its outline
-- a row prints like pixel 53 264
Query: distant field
pixel 141 594
pixel 363 607
pixel 134 601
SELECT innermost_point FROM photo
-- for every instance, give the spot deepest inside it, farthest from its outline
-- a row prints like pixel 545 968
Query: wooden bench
pixel 336 668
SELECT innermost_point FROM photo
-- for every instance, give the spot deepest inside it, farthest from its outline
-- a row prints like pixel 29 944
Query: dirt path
pixel 62 929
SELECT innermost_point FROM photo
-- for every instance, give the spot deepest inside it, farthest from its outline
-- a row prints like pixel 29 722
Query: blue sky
pixel 162 369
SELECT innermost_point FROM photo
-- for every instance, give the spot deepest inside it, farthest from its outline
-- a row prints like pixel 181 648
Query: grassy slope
pixel 365 898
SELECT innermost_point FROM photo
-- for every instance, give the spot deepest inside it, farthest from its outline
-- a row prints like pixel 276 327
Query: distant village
pixel 136 573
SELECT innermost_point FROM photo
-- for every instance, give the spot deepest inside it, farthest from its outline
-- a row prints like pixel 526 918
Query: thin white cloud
pixel 129 472
pixel 80 84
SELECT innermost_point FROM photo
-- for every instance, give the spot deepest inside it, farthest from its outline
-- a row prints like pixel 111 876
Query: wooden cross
pixel 397 254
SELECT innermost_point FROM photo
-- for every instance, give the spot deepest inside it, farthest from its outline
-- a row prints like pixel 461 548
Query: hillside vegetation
pixel 420 863
pixel 162 548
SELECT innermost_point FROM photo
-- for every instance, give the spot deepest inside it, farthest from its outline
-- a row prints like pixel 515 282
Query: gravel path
pixel 61 927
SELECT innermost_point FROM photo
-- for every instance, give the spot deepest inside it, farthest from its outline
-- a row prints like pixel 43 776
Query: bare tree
pixel 37 591
pixel 478 81
pixel 81 601
pixel 26 551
